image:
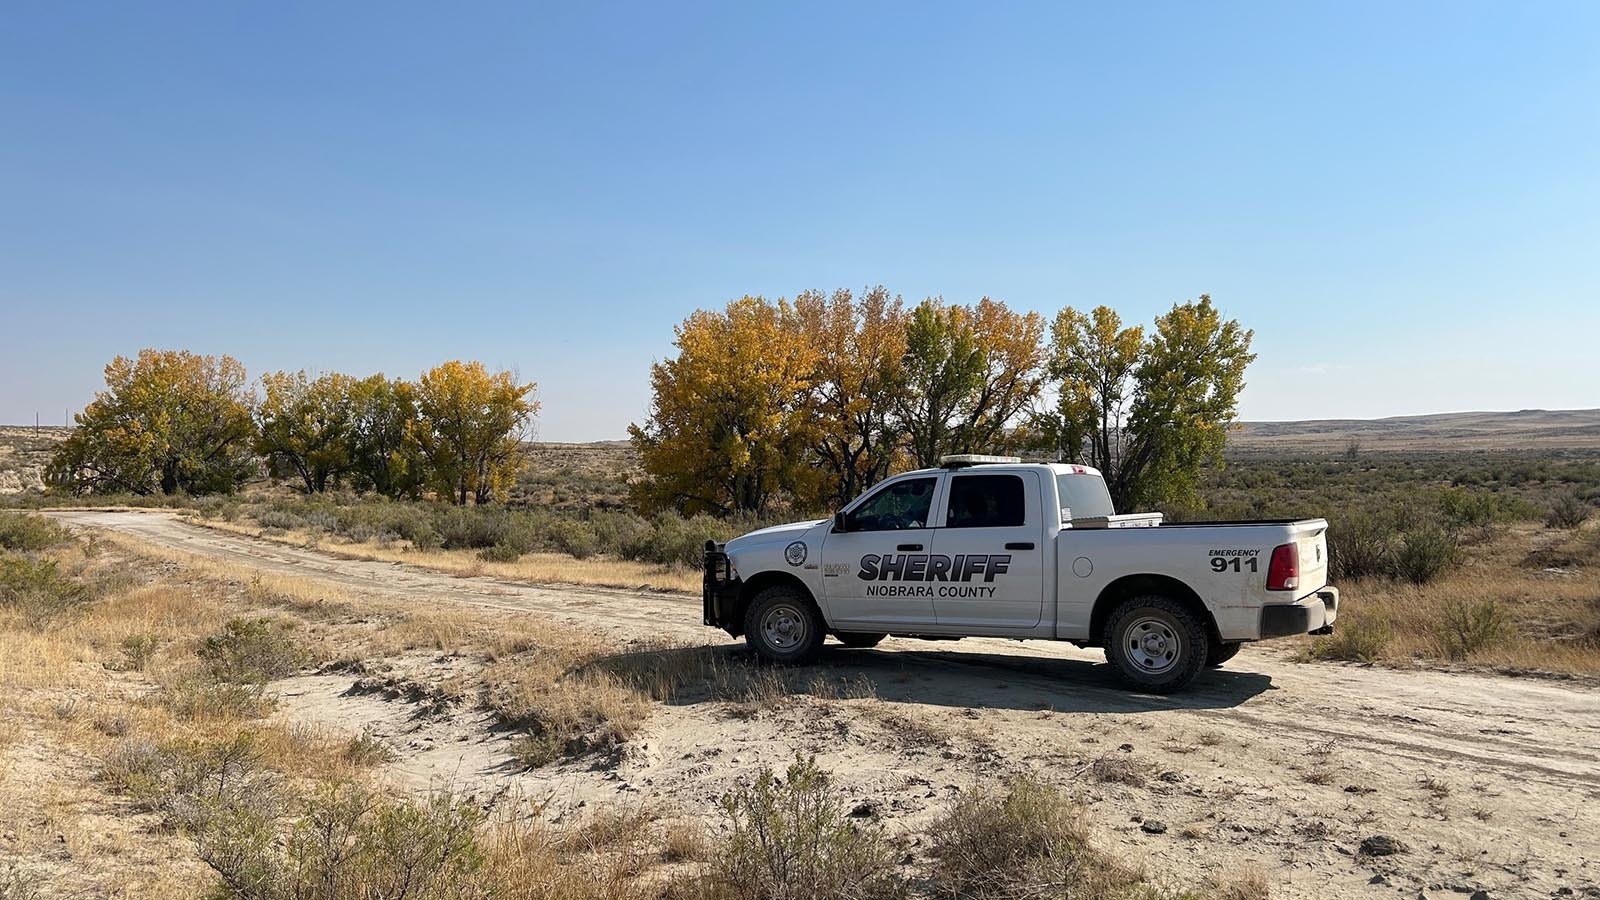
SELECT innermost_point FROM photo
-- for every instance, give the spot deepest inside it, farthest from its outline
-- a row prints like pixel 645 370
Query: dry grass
pixel 575 694
pixel 1118 770
pixel 1525 597
pixel 532 568
pixel 134 732
pixel 142 700
pixel 1028 840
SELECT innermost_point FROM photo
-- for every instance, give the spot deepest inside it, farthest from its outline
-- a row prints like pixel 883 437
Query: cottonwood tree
pixel 306 427
pixel 384 453
pixel 470 424
pixel 726 427
pixel 169 421
pixel 1149 412
pixel 970 374
pixel 856 385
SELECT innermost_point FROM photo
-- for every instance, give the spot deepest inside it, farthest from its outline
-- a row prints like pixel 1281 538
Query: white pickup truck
pixel 993 547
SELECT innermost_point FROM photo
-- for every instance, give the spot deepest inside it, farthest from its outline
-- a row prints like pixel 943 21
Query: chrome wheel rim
pixel 784 627
pixel 1153 645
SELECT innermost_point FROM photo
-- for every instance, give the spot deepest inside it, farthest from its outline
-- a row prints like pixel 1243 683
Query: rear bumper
pixel 719 590
pixel 1311 615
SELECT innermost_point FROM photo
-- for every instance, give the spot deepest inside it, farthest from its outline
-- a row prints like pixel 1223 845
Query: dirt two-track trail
pixel 1489 782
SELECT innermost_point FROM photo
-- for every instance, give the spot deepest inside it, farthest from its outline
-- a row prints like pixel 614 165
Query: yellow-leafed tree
pixel 857 383
pixel 169 421
pixel 726 427
pixel 470 425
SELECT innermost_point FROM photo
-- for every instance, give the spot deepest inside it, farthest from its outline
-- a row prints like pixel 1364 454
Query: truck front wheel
pixel 861 639
pixel 1155 644
pixel 782 626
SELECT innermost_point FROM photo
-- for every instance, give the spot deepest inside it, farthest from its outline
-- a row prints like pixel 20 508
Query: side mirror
pixel 841 523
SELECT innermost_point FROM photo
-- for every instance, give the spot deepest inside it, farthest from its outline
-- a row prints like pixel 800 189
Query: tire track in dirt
pixel 1563 753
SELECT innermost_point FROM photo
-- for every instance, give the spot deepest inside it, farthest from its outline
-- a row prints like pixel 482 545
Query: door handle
pixel 1020 545
pixel 909 547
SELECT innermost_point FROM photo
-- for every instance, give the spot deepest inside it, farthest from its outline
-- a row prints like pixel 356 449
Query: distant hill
pixel 1528 429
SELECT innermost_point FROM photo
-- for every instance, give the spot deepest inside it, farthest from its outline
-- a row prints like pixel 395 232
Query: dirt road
pixel 1489 782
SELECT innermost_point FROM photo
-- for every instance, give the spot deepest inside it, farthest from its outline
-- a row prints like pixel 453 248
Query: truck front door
pixel 990 552
pixel 873 571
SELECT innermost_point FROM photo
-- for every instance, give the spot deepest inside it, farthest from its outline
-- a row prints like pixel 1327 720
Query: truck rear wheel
pixel 1221 653
pixel 1155 644
pixel 861 639
pixel 783 626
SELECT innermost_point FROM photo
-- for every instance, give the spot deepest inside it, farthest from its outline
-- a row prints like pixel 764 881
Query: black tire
pixel 783 626
pixel 859 639
pixel 1221 653
pixel 1155 644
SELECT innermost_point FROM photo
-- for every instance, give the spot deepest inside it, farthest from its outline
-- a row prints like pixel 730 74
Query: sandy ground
pixel 1489 782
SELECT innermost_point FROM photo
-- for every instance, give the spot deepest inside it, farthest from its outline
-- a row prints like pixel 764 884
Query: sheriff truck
pixel 990 546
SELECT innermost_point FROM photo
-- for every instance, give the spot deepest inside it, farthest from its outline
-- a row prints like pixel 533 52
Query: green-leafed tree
pixel 306 427
pixel 384 454
pixel 169 421
pixel 1149 412
pixel 970 375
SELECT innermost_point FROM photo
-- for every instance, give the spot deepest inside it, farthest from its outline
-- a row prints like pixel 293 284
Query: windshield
pixel 1083 497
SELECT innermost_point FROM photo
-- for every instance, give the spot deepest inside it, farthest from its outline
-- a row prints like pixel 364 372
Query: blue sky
pixel 1403 200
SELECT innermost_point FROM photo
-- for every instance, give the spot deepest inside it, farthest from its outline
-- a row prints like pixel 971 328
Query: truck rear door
pixel 990 551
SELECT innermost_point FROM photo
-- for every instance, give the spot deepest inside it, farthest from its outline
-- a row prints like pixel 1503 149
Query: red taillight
pixel 1284 572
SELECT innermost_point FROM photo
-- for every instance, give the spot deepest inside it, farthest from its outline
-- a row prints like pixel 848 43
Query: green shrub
pixel 381 518
pixel 138 650
pixel 218 506
pixel 791 840
pixel 1026 842
pixel 18 884
pixel 37 589
pixel 471 527
pixel 347 841
pixel 22 531
pixel 501 553
pixel 676 541
pixel 196 784
pixel 1359 545
pixel 201 699
pixel 366 750
pixel 279 519
pixel 1468 627
pixel 574 537
pixel 1354 639
pixel 1568 512
pixel 524 533
pixel 538 749
pixel 251 651
pixel 618 532
pixel 1425 553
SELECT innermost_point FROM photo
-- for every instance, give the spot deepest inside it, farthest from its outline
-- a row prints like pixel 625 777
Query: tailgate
pixel 1311 536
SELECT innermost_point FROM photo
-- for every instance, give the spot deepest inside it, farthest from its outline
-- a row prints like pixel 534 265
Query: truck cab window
pixel 902 505
pixel 986 501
